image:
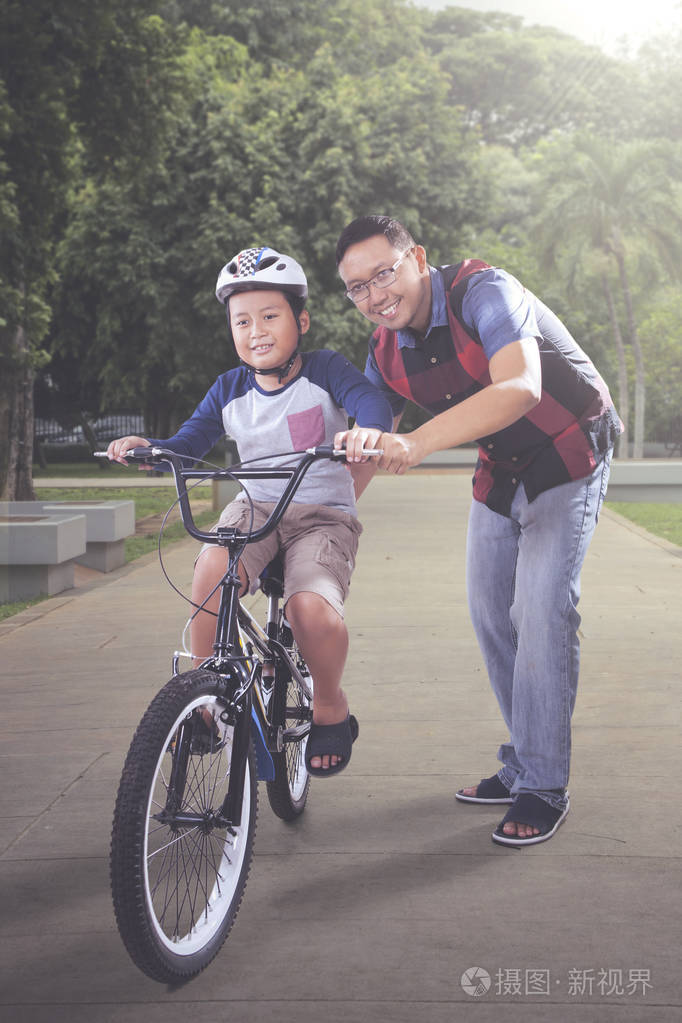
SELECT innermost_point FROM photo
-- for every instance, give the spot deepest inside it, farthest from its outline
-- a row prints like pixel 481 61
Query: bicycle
pixel 187 803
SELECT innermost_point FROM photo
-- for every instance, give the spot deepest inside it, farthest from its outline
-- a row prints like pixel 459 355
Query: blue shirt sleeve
pixel 499 308
pixel 396 401
pixel 354 392
pixel 203 429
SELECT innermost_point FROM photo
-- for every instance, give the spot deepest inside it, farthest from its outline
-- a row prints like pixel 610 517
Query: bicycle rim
pixel 191 873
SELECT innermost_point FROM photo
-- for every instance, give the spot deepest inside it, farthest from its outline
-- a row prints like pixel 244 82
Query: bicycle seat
pixel 272 578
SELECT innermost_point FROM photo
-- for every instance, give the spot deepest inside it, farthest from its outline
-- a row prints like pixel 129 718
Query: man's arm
pixel 515 388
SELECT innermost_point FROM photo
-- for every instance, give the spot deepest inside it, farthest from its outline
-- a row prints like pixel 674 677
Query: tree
pixel 603 198
pixel 70 77
pixel 285 157
pixel 517 84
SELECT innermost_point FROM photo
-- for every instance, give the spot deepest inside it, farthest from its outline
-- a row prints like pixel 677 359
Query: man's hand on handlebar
pixel 117 450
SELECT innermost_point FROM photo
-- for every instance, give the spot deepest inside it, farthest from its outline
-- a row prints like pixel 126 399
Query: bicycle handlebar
pixel 294 475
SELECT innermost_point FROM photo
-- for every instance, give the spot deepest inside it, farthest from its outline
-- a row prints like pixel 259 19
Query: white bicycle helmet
pixel 261 268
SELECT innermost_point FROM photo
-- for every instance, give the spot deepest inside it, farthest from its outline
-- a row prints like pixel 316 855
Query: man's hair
pixel 367 227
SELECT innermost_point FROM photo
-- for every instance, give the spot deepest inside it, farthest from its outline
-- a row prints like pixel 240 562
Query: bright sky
pixel 602 22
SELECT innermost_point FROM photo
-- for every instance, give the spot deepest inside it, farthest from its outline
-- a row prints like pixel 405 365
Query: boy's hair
pixel 367 227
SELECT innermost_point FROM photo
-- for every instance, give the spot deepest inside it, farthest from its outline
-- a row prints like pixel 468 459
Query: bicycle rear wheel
pixel 288 792
pixel 178 870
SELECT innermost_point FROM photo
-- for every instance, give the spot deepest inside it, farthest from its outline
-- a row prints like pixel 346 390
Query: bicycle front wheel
pixel 178 868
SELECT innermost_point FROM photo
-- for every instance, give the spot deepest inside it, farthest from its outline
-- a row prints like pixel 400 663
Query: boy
pixel 279 399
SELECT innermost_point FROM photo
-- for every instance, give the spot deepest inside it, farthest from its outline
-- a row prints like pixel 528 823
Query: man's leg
pixel 556 530
pixel 492 550
pixel 554 534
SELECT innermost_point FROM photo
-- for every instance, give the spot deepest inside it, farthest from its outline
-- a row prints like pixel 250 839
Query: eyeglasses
pixel 359 292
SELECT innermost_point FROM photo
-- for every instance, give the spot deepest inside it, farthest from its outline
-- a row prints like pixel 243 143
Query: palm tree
pixel 602 198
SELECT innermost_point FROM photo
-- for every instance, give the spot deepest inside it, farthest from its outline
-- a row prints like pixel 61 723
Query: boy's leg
pixel 322 638
pixel 211 565
pixel 319 546
pixel 209 569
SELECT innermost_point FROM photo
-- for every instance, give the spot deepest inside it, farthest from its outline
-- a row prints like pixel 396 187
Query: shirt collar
pixel 439 313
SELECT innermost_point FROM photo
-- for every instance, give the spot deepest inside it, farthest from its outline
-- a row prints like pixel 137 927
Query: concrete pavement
pixel 382 899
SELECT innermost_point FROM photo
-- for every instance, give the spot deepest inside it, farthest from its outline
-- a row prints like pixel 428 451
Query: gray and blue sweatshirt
pixel 306 412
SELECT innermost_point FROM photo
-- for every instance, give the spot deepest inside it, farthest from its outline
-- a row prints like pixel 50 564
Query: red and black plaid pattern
pixel 563 438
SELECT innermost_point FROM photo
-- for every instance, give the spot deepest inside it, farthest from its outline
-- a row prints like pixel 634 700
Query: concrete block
pixel 108 523
pixel 645 480
pixel 21 582
pixel 41 539
pixel 37 553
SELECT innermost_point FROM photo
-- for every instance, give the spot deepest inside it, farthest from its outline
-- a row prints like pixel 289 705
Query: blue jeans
pixel 523 585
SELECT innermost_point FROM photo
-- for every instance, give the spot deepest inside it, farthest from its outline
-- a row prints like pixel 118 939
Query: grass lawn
pixel 83 470
pixel 148 501
pixel 664 520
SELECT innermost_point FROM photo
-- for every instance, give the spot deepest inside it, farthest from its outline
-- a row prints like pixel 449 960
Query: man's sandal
pixel 331 741
pixel 534 812
pixel 488 790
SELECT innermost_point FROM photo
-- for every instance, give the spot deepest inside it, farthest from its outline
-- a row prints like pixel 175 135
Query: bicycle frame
pixel 232 660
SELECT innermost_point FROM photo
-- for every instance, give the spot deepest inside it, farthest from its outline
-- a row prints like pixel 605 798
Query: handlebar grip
pixel 327 451
pixel 139 454
pixel 148 454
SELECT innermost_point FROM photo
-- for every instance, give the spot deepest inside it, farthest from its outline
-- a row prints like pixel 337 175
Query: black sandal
pixel 331 741
pixel 534 812
pixel 488 790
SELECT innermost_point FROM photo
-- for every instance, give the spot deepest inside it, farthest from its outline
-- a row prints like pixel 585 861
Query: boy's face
pixel 404 303
pixel 264 327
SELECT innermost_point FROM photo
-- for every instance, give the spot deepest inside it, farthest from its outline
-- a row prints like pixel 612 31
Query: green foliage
pixel 142 145
pixel 661 334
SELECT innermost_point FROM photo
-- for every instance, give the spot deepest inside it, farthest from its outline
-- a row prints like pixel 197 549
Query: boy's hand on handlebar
pixel 400 450
pixel 118 448
pixel 357 441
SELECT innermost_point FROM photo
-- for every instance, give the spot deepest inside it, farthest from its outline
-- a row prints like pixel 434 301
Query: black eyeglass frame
pixel 364 286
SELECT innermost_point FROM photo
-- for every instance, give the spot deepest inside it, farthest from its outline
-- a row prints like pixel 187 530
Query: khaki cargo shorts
pixel 318 545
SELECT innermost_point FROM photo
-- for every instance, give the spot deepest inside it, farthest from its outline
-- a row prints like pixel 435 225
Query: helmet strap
pixel 281 371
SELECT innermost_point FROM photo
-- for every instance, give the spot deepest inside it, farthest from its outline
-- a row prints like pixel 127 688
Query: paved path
pixel 372 907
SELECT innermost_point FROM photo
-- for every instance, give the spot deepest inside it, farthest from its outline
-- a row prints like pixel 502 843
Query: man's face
pixel 404 303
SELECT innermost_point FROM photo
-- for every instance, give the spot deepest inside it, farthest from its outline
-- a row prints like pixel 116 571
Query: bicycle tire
pixel 177 888
pixel 288 792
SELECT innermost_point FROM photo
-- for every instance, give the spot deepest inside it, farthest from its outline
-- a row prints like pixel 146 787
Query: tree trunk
pixel 640 383
pixel 17 416
pixel 623 443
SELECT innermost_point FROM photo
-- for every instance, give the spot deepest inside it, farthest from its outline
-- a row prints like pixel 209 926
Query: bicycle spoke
pixel 192 873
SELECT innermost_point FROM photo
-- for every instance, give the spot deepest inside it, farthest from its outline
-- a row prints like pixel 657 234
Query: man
pixel 492 364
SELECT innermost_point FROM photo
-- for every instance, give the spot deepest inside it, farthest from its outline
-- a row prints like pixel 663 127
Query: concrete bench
pixel 645 480
pixel 37 552
pixel 108 523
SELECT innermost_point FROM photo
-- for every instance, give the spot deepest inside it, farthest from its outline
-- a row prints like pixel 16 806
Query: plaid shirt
pixel 563 438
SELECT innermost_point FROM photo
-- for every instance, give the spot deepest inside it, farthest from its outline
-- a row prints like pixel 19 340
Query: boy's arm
pixel 362 471
pixel 204 428
pixel 371 410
